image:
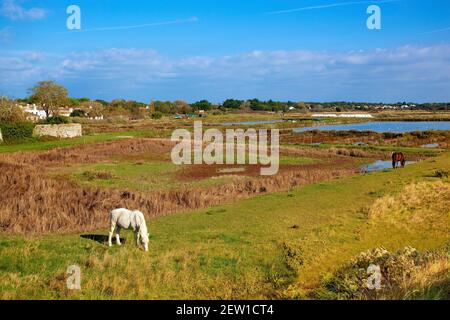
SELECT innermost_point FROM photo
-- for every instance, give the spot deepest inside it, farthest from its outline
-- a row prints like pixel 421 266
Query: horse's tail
pixel 111 217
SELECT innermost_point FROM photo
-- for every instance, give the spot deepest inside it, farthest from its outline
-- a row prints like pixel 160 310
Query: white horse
pixel 128 219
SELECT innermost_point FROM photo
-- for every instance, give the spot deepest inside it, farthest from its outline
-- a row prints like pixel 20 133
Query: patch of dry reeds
pixel 32 202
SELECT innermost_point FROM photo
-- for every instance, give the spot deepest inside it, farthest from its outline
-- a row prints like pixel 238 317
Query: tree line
pixel 51 96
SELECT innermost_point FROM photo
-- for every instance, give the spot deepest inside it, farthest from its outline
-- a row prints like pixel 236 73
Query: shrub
pixel 293 255
pixel 157 115
pixel 78 113
pixel 392 135
pixel 16 131
pixel 10 113
pixel 421 134
pixel 56 120
pixel 441 173
pixel 400 272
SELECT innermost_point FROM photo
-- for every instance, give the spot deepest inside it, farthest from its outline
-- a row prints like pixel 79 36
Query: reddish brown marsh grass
pixel 409 139
pixel 33 202
pixel 90 153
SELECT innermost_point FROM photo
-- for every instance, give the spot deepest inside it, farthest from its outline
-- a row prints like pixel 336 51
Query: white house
pixel 65 112
pixel 33 110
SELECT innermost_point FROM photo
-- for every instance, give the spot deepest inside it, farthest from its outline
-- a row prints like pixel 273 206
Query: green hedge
pixel 55 120
pixel 17 131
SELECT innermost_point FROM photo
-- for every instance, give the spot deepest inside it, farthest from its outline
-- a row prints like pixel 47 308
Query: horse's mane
pixel 142 225
pixel 143 228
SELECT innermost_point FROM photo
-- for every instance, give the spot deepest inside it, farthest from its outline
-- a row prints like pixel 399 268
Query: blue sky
pixel 301 50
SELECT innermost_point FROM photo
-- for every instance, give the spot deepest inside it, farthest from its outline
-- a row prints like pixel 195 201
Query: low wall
pixel 58 130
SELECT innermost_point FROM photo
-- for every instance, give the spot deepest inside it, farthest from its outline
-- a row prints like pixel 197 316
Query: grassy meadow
pixel 279 245
pixel 220 231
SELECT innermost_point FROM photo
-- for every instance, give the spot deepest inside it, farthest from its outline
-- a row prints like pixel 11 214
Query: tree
pixel 75 102
pixel 50 96
pixel 182 107
pixel 92 105
pixel 232 104
pixel 151 107
pixel 163 106
pixel 202 105
pixel 102 102
pixel 134 109
pixel 255 104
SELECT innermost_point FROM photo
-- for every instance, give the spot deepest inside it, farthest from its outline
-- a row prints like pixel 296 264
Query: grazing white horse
pixel 128 219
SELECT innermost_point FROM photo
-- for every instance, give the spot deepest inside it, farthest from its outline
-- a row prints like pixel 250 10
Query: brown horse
pixel 396 158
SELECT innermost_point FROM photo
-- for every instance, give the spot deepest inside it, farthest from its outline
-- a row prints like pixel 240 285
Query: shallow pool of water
pixel 379 165
pixel 382 126
pixel 431 145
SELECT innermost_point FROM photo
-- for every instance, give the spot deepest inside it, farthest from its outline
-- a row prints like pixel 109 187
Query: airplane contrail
pixel 435 31
pixel 137 26
pixel 331 5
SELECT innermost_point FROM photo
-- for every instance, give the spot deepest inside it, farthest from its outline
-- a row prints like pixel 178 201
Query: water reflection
pixel 380 165
pixel 431 145
pixel 383 126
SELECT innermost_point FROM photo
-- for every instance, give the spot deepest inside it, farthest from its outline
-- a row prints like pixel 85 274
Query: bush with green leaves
pixel 56 120
pixel 17 131
pixel 157 115
pixel 441 173
pixel 78 113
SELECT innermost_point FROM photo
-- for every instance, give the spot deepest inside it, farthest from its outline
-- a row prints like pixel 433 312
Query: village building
pixel 33 113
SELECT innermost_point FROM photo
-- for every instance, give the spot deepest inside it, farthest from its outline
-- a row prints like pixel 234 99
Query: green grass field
pixel 146 175
pixel 229 251
pixel 36 145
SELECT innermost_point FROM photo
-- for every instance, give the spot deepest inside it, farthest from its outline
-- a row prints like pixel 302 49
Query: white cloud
pixel 11 9
pixel 404 73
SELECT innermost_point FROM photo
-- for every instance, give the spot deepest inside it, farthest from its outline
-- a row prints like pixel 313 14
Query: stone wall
pixel 58 130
